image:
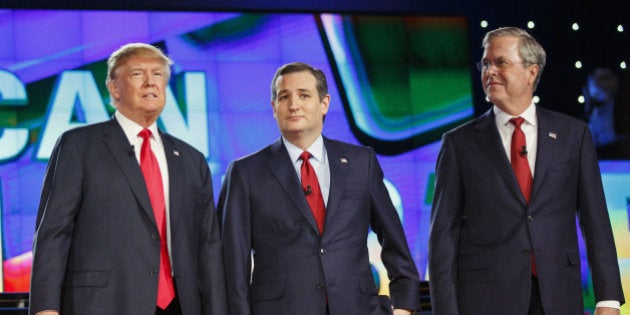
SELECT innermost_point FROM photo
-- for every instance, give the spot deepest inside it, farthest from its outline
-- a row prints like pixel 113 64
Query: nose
pixel 150 80
pixel 491 69
pixel 293 103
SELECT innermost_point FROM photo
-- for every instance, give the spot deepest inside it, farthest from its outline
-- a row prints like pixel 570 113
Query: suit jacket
pixel 296 270
pixel 97 248
pixel 482 229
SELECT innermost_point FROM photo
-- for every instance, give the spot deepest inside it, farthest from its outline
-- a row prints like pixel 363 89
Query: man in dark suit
pixel 98 248
pixel 503 236
pixel 303 265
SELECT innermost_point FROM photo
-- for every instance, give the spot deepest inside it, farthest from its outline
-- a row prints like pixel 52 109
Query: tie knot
pixel 517 121
pixel 305 156
pixel 145 134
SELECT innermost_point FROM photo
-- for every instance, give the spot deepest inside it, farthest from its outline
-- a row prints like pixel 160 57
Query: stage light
pixel 484 24
pixel 578 64
pixel 620 28
pixel 536 99
pixel 581 99
pixel 623 65
pixel 575 26
pixel 531 24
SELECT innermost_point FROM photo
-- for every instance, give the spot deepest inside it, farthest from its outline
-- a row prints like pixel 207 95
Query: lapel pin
pixel 553 135
pixel 176 152
pixel 343 160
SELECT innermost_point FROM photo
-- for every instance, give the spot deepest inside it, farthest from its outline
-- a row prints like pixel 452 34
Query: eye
pixel 501 63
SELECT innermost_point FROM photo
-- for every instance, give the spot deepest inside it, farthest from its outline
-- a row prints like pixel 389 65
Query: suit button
pixel 320 286
pixel 154 236
pixel 322 251
pixel 153 272
pixel 530 218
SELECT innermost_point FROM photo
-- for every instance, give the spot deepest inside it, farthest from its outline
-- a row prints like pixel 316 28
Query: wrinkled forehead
pixel 501 47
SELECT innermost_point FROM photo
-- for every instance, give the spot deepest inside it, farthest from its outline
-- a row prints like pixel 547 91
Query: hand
pixel 398 311
pixel 607 311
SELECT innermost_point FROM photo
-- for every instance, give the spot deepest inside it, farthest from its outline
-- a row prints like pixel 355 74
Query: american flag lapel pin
pixel 343 160
pixel 553 135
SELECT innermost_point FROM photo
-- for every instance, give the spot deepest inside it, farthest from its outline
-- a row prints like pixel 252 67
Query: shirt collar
pixel 316 149
pixel 502 118
pixel 131 128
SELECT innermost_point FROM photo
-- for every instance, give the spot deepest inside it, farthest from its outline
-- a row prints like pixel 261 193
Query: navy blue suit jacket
pixel 295 269
pixel 97 248
pixel 482 229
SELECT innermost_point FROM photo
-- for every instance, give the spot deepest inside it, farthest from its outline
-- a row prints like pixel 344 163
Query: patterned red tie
pixel 310 184
pixel 520 165
pixel 518 155
pixel 153 179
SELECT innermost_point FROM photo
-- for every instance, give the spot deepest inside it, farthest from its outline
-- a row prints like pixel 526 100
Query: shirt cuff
pixel 611 304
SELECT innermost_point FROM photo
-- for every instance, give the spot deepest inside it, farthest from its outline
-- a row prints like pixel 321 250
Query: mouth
pixel 149 95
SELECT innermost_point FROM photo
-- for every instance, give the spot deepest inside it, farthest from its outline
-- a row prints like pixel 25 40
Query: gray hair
pixel 529 50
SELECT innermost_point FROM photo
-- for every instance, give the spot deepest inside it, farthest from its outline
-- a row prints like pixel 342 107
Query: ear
pixel 533 71
pixel 273 106
pixel 113 89
pixel 325 103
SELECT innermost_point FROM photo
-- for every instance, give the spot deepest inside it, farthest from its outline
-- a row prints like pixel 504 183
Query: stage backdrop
pixel 396 82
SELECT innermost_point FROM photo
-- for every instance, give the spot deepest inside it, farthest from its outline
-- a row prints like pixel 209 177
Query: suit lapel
pixel 545 150
pixel 338 163
pixel 176 181
pixel 282 168
pixel 490 141
pixel 119 146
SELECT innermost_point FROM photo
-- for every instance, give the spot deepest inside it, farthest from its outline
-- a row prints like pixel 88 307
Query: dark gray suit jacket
pixel 482 230
pixel 297 271
pixel 97 248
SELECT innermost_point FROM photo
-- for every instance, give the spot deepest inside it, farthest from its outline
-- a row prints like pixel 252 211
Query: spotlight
pixel 620 28
pixel 531 24
pixel 536 99
pixel 623 65
pixel 581 99
pixel 578 64
pixel 575 26
pixel 484 24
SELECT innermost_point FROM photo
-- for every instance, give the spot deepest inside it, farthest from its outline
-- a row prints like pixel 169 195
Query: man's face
pixel 298 110
pixel 139 88
pixel 507 82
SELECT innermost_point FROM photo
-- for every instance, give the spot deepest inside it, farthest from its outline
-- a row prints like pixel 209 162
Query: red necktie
pixel 518 155
pixel 310 184
pixel 153 179
pixel 520 165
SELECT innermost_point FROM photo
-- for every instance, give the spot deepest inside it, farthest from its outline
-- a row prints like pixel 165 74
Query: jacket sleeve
pixel 59 204
pixel 444 232
pixel 596 227
pixel 234 214
pixel 404 279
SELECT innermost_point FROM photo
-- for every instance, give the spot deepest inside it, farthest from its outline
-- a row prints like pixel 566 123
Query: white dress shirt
pixel 319 161
pixel 131 130
pixel 529 127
